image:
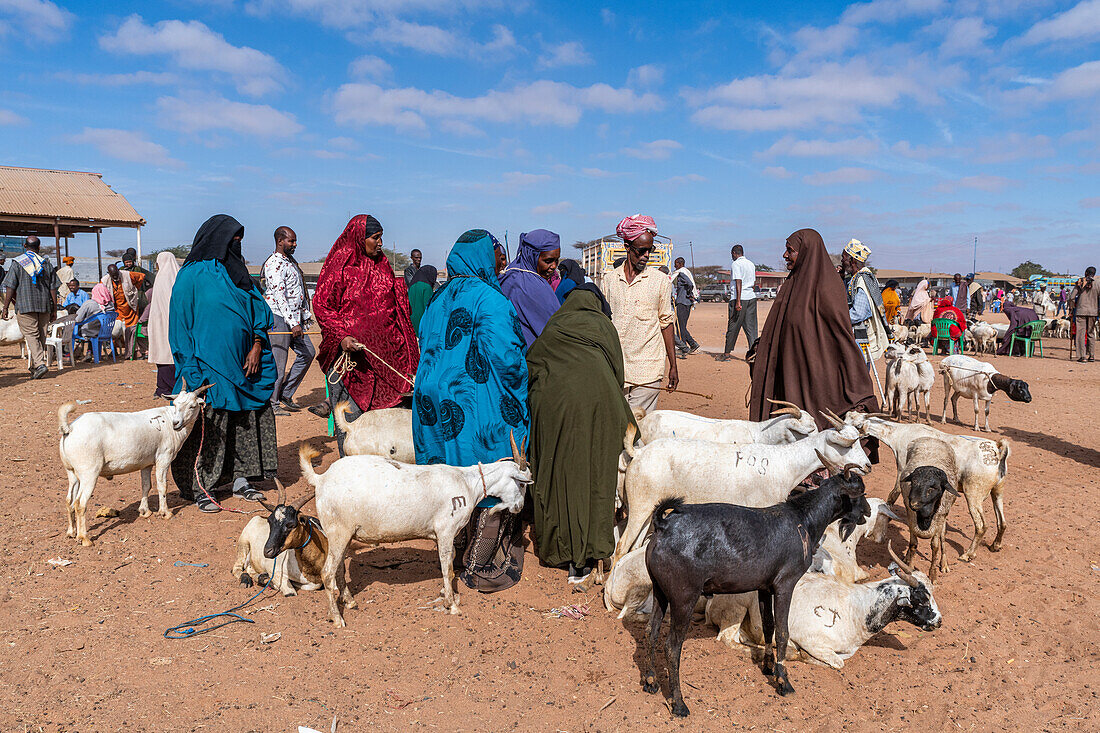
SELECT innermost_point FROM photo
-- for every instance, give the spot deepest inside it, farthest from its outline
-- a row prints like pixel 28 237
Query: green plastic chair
pixel 942 326
pixel 1035 331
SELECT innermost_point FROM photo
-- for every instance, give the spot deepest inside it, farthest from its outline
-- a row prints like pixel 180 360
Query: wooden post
pixel 138 229
pixel 57 242
pixel 66 246
pixel 98 253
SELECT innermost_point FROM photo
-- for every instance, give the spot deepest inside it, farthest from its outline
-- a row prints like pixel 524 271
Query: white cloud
pixel 888 11
pixel 813 42
pixel 656 150
pixel 41 20
pixel 7 117
pixel 1079 23
pixel 343 143
pixel 197 113
pixel 570 53
pixel 598 173
pixel 680 180
pixel 1014 146
pixel 195 47
pixel 965 37
pixel 648 75
pixel 830 93
pixel 790 146
pixel 537 103
pixel 559 208
pixel 918 152
pixel 461 128
pixel 607 16
pixel 777 172
pixel 126 145
pixel 136 78
pixel 841 176
pixel 369 67
pixel 1092 202
pixel 438 41
pixel 355 13
pixel 979 183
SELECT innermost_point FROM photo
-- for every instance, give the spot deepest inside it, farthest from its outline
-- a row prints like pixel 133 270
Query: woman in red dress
pixel 363 311
pixel 945 309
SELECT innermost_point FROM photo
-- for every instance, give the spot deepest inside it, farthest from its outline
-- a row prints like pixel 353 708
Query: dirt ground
pixel 82 646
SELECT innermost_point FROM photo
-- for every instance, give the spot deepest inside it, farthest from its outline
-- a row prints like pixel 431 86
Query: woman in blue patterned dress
pixel 470 398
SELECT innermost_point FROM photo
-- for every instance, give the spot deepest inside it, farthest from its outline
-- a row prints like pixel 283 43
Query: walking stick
pixel 874 370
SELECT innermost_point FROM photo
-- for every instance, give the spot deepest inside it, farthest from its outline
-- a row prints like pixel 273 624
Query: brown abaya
pixel 806 353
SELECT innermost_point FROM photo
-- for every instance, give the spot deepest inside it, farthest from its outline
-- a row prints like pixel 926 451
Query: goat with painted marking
pixel 964 376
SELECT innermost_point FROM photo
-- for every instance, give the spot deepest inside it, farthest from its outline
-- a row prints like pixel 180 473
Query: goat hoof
pixel 70 532
pixel 339 623
pixel 86 542
pixel 680 710
pixel 650 685
pixel 995 547
pixel 965 557
pixel 350 603
pixel 246 580
pixel 456 611
pixel 783 686
pixel 144 513
pixel 264 579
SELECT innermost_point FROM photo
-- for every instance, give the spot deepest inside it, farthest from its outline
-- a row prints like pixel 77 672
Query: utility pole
pixel 975 255
pixel 691 250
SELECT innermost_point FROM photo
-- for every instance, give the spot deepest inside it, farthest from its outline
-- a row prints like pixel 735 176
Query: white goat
pixel 9 331
pixel 749 475
pixel 386 433
pixel 113 443
pixel 628 588
pixel 985 337
pixel 921 390
pixel 982 466
pixel 901 382
pixel 786 425
pixel 374 499
pixel 842 553
pixel 964 376
pixel 830 619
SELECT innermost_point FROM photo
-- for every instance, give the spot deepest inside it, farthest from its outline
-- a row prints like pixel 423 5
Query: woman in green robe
pixel 578 419
pixel 420 294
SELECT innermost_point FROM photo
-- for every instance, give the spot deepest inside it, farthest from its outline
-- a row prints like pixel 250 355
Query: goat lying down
pixel 115 443
pixel 386 433
pixel 375 499
pixel 286 547
pixel 788 424
pixel 964 376
pixel 830 619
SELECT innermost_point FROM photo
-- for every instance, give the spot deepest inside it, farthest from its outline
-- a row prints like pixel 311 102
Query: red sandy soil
pixel 81 646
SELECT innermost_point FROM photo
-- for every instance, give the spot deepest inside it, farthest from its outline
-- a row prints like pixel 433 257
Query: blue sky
pixel 914 125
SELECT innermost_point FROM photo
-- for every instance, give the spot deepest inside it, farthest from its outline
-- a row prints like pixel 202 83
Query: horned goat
pixel 287 547
pixel 787 424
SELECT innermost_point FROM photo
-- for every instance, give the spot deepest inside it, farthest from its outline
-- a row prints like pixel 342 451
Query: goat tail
pixel 63 413
pixel 665 509
pixel 1004 450
pixel 340 412
pixel 306 454
pixel 629 438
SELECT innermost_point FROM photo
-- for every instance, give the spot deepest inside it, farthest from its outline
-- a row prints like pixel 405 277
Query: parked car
pixel 765 293
pixel 714 294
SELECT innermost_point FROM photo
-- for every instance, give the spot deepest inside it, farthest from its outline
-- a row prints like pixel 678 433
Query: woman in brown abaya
pixel 807 354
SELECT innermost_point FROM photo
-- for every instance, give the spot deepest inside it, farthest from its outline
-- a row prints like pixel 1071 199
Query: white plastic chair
pixel 61 331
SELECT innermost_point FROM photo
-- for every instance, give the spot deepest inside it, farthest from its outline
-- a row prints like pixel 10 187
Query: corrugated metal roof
pixel 34 192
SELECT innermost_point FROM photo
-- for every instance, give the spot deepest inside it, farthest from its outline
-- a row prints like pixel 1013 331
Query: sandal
pixel 207 505
pixel 250 494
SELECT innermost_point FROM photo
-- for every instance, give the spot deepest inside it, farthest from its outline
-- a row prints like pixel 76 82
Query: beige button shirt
pixel 640 310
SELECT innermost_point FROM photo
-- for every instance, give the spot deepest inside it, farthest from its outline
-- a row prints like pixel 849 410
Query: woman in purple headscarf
pixel 526 281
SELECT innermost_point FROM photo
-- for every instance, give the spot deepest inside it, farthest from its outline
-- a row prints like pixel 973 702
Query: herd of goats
pixel 725 518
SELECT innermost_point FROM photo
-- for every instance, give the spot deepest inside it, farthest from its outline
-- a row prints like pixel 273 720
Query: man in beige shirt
pixel 641 304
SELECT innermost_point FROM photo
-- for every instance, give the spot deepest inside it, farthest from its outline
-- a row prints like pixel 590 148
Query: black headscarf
pixel 215 241
pixel 595 290
pixel 572 270
pixel 371 226
pixel 426 274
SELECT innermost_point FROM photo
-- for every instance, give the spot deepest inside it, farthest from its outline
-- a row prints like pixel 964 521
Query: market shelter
pixel 61 204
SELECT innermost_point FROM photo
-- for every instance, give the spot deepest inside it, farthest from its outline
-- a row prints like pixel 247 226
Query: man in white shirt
pixel 285 293
pixel 742 308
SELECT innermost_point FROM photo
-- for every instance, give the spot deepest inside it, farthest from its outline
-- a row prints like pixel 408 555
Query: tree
pixel 707 275
pixel 1025 270
pixel 180 251
pixel 114 252
pixel 399 260
pixel 765 268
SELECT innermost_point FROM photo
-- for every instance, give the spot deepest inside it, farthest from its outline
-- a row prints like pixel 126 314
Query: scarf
pixel 102 295
pixel 160 351
pixel 530 293
pixel 32 263
pixel 635 226
pixel 427 274
pixel 691 278
pixel 872 287
pixel 215 241
pixel 920 297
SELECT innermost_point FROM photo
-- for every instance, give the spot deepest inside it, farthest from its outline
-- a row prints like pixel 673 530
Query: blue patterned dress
pixel 471 386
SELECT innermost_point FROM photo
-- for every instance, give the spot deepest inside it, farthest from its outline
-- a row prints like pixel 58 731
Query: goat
pixel 10 332
pixel 893 356
pixel 982 466
pixel 113 443
pixel 922 388
pixel 842 554
pixel 374 499
pixel 627 587
pixel 831 618
pixel 751 475
pixel 964 376
pixel 928 483
pixel 985 337
pixel 723 548
pixel 386 433
pixel 786 425
pixel 286 548
pixel 901 383
pixel 920 333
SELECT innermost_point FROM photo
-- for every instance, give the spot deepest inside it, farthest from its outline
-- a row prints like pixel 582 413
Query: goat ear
pixel 907 479
pixel 946 483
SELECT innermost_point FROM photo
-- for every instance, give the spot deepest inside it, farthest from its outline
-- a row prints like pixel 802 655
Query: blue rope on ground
pixel 188 629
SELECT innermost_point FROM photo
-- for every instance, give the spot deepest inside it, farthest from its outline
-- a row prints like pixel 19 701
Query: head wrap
pixel 101 295
pixel 530 293
pixel 68 260
pixel 858 250
pixel 572 270
pixel 970 277
pixel 426 274
pixel 635 226
pixel 370 226
pixel 215 241
pixel 891 283
pixel 130 254
pixel 160 350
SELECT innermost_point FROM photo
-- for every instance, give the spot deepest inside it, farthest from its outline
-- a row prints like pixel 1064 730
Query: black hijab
pixel 426 274
pixel 595 290
pixel 215 241
pixel 572 270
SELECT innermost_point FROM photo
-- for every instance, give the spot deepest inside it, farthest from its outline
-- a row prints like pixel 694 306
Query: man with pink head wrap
pixel 641 307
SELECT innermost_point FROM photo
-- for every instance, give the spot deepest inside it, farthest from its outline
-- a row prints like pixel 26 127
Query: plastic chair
pixel 1035 331
pixel 139 333
pixel 942 327
pixel 106 324
pixel 60 333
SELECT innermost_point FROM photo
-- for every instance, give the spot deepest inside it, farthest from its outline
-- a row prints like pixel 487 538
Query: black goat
pixel 723 548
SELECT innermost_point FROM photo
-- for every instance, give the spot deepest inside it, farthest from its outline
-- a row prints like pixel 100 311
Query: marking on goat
pixel 157 421
pixel 763 466
pixel 805 537
pixel 832 622
pixel 989 453
pixel 457 502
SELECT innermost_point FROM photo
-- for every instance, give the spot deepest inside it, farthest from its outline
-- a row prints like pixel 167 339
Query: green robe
pixel 578 419
pixel 420 294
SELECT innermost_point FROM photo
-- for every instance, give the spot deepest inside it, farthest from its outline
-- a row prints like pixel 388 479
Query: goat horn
pixel 784 403
pixel 304 500
pixel 833 416
pixel 201 389
pixel 883 415
pixel 517 454
pixel 266 506
pixel 282 491
pixel 904 571
pixel 523 453
pixel 848 468
pixel 792 411
pixel 184 384
pixel 832 420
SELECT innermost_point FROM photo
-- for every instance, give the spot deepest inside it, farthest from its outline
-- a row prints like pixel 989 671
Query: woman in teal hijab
pixel 470 397
pixel 217 328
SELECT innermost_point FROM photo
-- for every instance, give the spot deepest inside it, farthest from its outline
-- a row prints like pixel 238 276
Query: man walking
pixel 33 283
pixel 410 269
pixel 742 308
pixel 685 296
pixel 1085 295
pixel 285 293
pixel 641 307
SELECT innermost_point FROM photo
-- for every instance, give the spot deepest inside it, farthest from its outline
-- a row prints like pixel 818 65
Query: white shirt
pixel 285 292
pixel 745 271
